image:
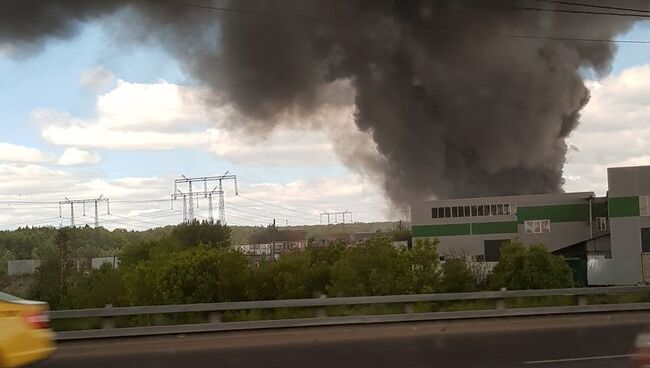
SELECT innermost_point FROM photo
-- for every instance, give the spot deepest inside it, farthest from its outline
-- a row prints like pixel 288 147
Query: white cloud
pixel 98 136
pixel 10 152
pixel 614 130
pixel 281 148
pixel 157 106
pixel 76 156
pixel 164 116
pixel 97 78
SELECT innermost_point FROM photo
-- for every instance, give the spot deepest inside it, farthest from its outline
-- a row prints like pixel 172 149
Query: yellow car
pixel 24 334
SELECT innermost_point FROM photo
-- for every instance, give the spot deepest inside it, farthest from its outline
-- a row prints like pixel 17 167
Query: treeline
pixel 194 263
pixel 31 242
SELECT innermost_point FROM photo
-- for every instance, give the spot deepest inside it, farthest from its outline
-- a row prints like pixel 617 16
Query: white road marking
pixel 580 359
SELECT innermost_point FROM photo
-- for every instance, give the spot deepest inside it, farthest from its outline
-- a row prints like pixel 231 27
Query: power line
pixel 49 219
pixel 570 3
pixel 554 10
pixel 242 11
pixel 278 205
pixel 137 220
pixel 142 201
pixel 493 6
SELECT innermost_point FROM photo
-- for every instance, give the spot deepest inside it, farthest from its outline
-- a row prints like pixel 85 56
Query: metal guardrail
pixel 215 311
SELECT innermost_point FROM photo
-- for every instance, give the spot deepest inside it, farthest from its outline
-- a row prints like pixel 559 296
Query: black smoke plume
pixel 461 98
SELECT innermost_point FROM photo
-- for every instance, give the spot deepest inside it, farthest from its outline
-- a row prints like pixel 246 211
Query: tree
pixel 98 288
pixel 400 232
pixel 53 276
pixel 423 258
pixel 322 259
pixel 374 268
pixel 530 268
pixel 197 275
pixel 457 276
pixel 209 233
pixel 289 277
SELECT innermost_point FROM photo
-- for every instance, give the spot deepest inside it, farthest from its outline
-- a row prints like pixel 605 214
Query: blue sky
pixel 50 80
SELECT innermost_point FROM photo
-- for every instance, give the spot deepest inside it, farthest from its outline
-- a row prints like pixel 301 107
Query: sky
pixel 87 117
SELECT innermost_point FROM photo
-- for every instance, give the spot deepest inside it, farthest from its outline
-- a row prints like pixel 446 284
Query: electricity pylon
pixel 83 202
pixel 335 214
pixel 190 194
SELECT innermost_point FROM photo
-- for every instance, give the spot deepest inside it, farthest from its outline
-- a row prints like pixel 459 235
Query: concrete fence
pixel 29 266
pixel 22 267
pixel 320 306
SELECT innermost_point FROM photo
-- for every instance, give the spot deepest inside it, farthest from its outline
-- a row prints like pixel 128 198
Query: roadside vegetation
pixel 195 263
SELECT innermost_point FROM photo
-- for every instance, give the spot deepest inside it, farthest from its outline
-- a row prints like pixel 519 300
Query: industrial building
pixel 606 240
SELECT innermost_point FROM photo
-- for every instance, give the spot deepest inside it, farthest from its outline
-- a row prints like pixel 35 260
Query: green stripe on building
pixel 624 207
pixel 509 227
pixel 423 231
pixel 599 210
pixel 555 213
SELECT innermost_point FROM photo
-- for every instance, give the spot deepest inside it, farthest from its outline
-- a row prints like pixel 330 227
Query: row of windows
pixel 472 211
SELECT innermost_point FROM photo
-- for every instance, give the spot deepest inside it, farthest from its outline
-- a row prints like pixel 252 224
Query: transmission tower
pixel 95 201
pixel 343 214
pixel 189 195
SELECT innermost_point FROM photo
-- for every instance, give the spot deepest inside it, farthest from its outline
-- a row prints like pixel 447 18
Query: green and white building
pixel 606 240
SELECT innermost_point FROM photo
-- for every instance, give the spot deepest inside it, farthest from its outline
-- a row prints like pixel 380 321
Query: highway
pixel 541 342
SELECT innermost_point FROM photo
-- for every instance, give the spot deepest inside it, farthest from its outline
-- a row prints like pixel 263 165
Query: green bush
pixel 530 267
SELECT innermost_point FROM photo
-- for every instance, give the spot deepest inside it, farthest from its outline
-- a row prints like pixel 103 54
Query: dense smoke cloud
pixel 461 98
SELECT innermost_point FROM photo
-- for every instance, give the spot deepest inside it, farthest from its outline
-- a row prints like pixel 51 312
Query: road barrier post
pixel 321 312
pixel 501 303
pixel 108 322
pixel 409 308
pixel 582 300
pixel 215 317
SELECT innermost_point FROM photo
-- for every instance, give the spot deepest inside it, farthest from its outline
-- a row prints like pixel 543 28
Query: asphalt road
pixel 588 341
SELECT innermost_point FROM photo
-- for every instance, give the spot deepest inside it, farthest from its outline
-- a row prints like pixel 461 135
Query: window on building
pixel 480 211
pixel 474 213
pixel 644 205
pixel 500 209
pixel 546 226
pixel 601 223
pixel 434 213
pixel 447 211
pixel 468 211
pixel 486 209
pixel 441 212
pixel 537 226
pixel 454 211
pixel 493 210
pixel 492 249
pixel 506 209
pixel 645 240
pixel 461 211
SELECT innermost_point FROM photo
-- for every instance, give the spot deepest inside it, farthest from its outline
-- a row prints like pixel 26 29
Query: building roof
pixel 266 236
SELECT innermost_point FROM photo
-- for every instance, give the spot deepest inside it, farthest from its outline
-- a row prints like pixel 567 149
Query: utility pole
pixel 190 194
pixel 335 214
pixel 83 202
pixel 273 241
